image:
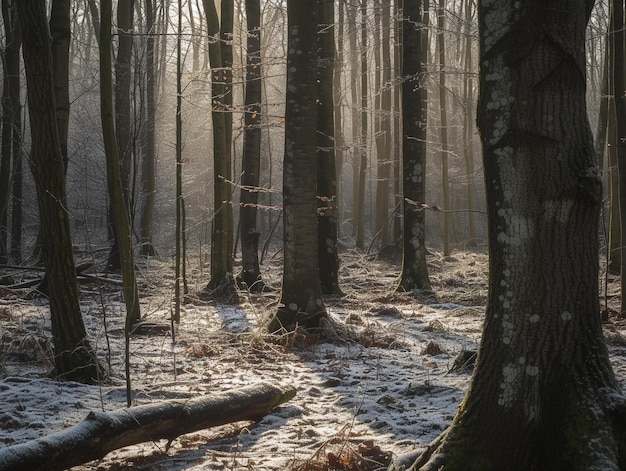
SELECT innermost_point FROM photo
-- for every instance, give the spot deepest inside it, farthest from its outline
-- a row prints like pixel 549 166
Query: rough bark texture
pixel 251 162
pixel 301 300
pixel 326 171
pixel 74 358
pixel 543 395
pixel 414 274
pixel 103 432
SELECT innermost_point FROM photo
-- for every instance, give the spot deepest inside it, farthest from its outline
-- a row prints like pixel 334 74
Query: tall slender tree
pixel 10 154
pixel 301 300
pixel 543 395
pixel 148 173
pixel 251 162
pixel 221 284
pixel 73 356
pixel 123 123
pixel 414 274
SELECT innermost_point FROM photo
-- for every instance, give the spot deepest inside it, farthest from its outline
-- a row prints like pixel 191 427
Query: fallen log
pixel 103 432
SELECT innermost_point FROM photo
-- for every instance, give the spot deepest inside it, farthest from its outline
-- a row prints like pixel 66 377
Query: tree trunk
pixel 221 284
pixel 619 83
pixel 443 93
pixel 11 137
pixel 469 123
pixel 326 171
pixel 414 274
pixel 251 162
pixel 301 299
pixel 123 124
pixel 148 174
pixel 114 178
pixel 543 395
pixel 359 204
pixel 103 432
pixel 74 358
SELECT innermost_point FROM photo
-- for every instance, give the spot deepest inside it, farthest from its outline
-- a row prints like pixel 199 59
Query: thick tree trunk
pixel 326 171
pixel 543 395
pixel 74 357
pixel 359 203
pixel 414 275
pixel 103 432
pixel 301 301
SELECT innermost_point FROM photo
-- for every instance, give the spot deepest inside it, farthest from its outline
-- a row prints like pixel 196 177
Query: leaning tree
pixel 543 395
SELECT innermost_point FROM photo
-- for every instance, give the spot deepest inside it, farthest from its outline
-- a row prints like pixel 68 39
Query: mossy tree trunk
pixel 326 166
pixel 73 356
pixel 414 275
pixel 301 299
pixel 543 395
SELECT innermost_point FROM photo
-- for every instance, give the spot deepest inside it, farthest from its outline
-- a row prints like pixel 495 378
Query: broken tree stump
pixel 102 432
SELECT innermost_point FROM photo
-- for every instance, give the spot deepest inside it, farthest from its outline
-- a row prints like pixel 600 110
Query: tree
pixel 221 284
pixel 73 356
pixel 11 136
pixel 414 275
pixel 326 170
pixel 301 300
pixel 251 162
pixel 114 178
pixel 125 16
pixel 148 177
pixel 543 395
pixel 619 83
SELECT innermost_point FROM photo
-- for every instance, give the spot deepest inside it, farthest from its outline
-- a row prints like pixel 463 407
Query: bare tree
pixel 543 394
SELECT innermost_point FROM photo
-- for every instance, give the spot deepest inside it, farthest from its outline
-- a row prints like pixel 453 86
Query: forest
pixel 333 235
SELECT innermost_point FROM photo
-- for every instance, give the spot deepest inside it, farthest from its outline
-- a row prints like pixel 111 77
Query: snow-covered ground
pixel 387 393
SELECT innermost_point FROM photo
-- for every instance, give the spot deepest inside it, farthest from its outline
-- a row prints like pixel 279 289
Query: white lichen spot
pixel 566 316
pixel 293 306
pixel 511 375
pixel 532 370
pixel 319 302
pixel 535 318
pixel 521 360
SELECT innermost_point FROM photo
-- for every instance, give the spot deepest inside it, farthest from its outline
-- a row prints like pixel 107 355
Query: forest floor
pixel 358 402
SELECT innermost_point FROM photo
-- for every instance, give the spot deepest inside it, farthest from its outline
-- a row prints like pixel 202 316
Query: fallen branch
pixel 103 432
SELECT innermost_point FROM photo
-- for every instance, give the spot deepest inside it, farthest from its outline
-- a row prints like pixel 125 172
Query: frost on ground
pixel 388 393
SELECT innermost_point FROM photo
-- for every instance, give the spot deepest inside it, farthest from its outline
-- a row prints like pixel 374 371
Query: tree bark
pixel 148 173
pixel 103 432
pixel 221 284
pixel 114 178
pixel 74 358
pixel 326 170
pixel 414 275
pixel 123 124
pixel 301 300
pixel 251 161
pixel 11 158
pixel 543 395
